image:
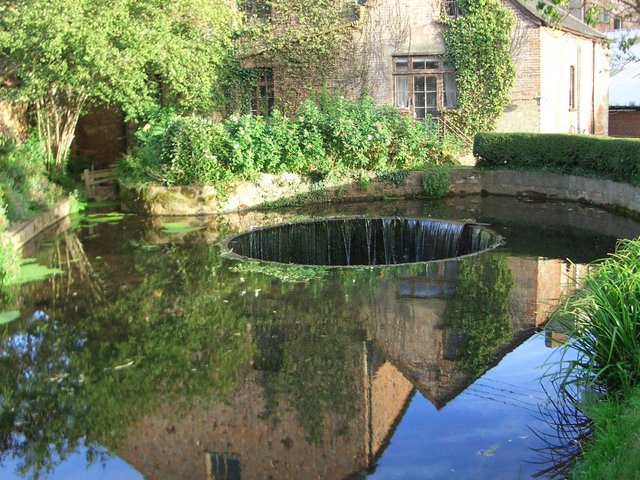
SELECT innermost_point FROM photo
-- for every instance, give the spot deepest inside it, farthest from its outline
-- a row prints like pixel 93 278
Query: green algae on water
pixel 284 273
pixel 30 271
pixel 97 218
pixel 179 227
pixel 9 316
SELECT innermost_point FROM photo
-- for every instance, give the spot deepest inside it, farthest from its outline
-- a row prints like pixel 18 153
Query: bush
pixel 23 180
pixel 601 320
pixel 9 256
pixel 334 135
pixel 192 151
pixel 436 182
pixel 612 158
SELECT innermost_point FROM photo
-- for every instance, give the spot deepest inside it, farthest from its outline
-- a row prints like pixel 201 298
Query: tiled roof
pixel 567 21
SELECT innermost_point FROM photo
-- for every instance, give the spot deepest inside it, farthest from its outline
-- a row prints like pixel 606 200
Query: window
pixel 222 466
pixel 424 85
pixel 257 9
pixel 451 8
pixel 262 101
pixel 572 87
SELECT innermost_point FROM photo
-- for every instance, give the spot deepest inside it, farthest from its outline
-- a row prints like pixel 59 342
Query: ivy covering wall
pixel 478 44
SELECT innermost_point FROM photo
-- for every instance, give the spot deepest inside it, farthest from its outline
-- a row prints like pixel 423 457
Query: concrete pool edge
pixel 272 191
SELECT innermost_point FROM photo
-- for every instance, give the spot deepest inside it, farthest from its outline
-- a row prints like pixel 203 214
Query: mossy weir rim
pixel 361 241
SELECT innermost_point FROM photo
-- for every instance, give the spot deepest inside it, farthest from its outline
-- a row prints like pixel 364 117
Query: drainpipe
pixel 593 87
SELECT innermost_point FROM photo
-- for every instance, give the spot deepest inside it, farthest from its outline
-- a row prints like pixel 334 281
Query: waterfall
pixel 363 241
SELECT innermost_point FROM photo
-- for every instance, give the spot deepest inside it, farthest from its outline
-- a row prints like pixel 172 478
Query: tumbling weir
pixel 363 241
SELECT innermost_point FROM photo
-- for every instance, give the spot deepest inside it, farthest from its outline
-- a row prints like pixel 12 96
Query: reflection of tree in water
pixel 175 330
pixel 68 379
pixel 477 315
pixel 313 364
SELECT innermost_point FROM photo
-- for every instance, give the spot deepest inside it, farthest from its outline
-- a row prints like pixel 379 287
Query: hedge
pixel 612 158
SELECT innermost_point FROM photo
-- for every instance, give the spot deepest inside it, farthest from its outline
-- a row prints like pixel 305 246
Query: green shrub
pixel 436 181
pixel 9 256
pixel 282 139
pixel 23 180
pixel 601 320
pixel 612 158
pixel 192 152
pixel 331 137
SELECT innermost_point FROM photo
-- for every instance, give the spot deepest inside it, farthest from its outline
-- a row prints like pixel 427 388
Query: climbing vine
pixel 303 42
pixel 478 45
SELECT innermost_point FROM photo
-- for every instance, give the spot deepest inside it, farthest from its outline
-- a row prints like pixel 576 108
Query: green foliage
pixel 436 181
pixel 303 43
pixel 397 178
pixel 236 85
pixel 616 159
pixel 77 203
pixel 188 151
pixel 23 180
pixel 478 312
pixel 72 53
pixel 601 320
pixel 478 44
pixel 284 273
pixel 335 136
pixel 614 451
pixel 9 255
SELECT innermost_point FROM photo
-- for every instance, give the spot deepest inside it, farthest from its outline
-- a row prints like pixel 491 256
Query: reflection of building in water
pixel 233 439
pixel 408 322
pixel 407 346
pixel 540 284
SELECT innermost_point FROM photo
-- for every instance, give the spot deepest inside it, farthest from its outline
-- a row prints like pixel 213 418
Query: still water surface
pixel 154 356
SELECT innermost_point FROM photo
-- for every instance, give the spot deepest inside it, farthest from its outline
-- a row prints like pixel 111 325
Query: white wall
pixel 559 50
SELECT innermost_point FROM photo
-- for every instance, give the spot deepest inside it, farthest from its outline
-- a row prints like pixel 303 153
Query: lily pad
pixel 110 217
pixel 10 316
pixel 179 227
pixel 32 272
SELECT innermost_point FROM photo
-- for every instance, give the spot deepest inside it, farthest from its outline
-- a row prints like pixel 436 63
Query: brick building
pixel 607 15
pixel 562 69
pixel 624 89
pixel 406 347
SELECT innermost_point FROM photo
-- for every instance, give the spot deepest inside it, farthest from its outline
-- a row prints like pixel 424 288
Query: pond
pixel 155 355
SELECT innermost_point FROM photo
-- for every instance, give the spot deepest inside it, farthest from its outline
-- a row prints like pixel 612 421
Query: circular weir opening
pixel 363 241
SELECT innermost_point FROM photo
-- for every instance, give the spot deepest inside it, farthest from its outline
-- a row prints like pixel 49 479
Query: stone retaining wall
pixel 25 231
pixel 290 189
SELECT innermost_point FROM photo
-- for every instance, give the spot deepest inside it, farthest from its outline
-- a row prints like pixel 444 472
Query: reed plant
pixel 602 320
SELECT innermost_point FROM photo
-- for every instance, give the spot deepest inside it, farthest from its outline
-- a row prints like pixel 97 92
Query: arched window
pixel 572 87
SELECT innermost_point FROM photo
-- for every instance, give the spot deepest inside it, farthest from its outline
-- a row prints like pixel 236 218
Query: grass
pixel 615 449
pixel 602 321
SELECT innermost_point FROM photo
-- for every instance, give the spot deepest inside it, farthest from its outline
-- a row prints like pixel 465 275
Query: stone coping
pixel 289 190
pixel 22 232
pixel 271 191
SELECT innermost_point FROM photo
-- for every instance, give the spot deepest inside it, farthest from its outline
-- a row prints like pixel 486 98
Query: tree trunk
pixel 57 116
